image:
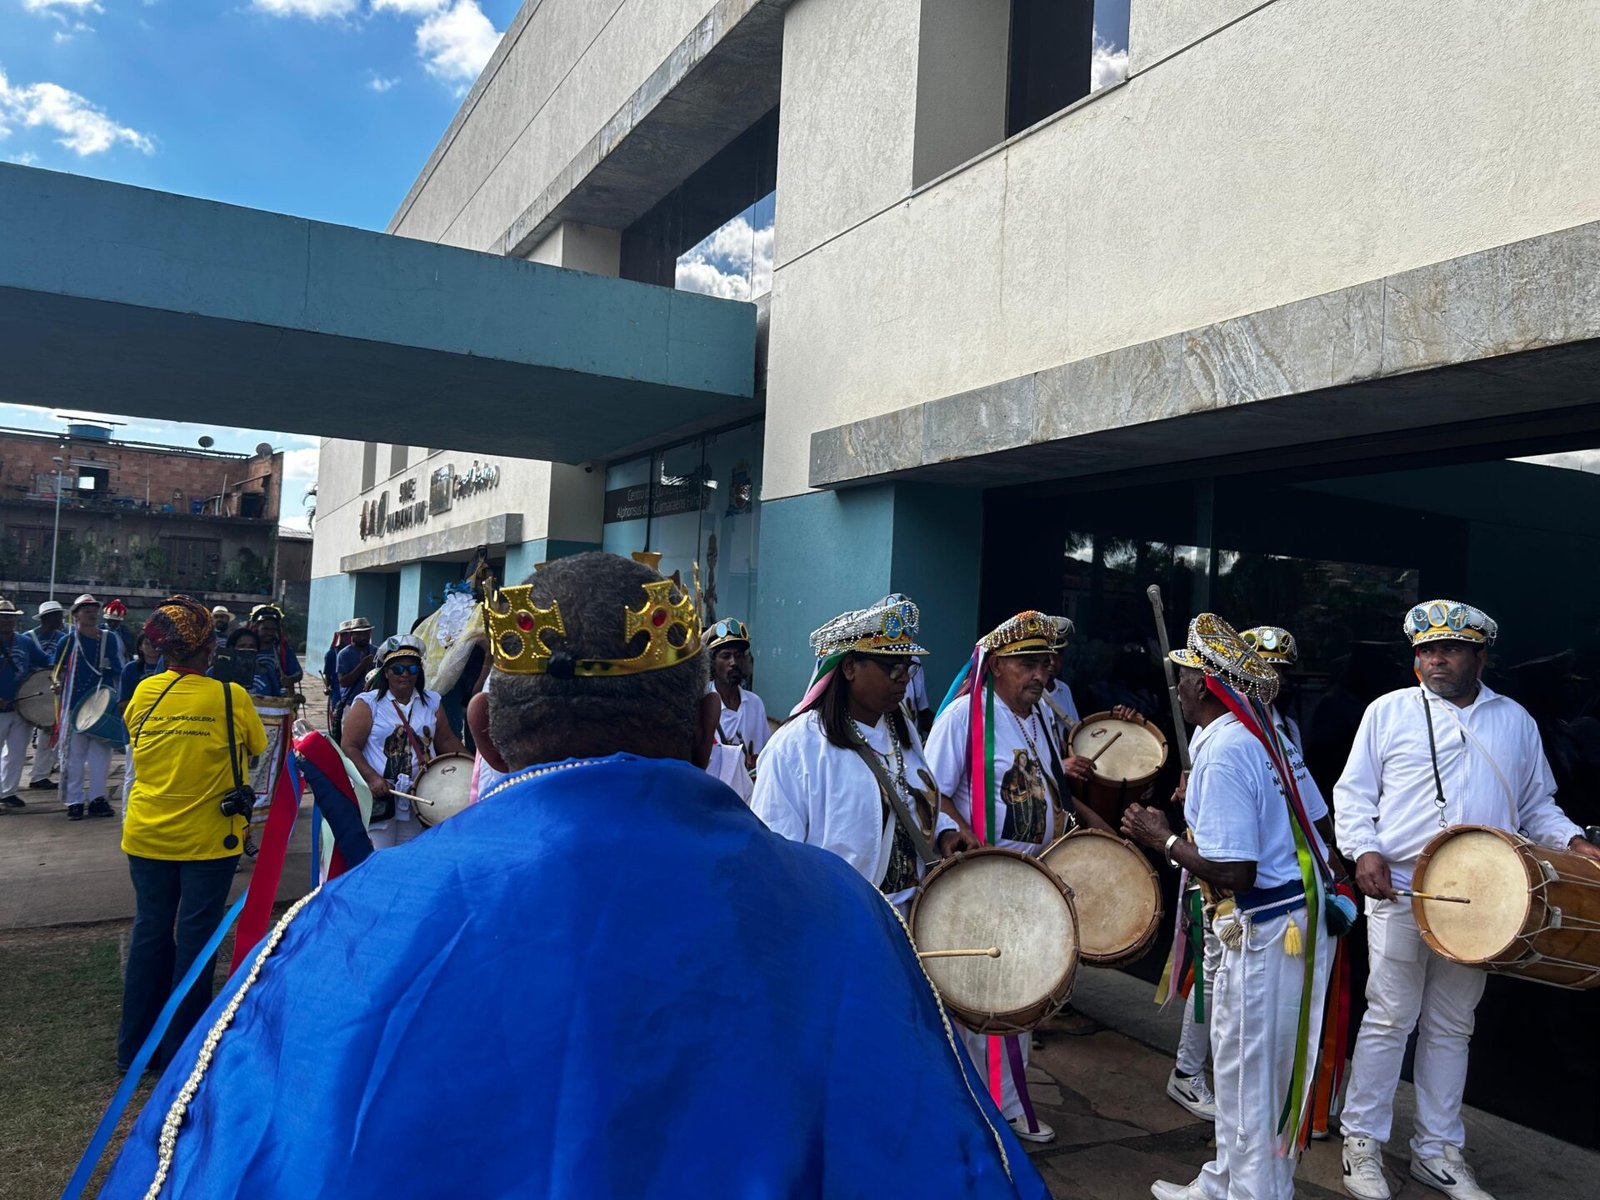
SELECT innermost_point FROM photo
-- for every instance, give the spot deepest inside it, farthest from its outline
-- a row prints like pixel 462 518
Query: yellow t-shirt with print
pixel 178 730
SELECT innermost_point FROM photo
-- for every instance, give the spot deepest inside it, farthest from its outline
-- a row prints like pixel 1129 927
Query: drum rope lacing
pixel 167 1144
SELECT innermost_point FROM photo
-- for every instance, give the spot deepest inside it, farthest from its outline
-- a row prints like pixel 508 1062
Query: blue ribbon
pixel 119 1102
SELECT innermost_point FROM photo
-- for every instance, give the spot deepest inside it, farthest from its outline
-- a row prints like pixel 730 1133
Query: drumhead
pixel 1132 758
pixel 1116 893
pixel 92 708
pixel 1488 870
pixel 36 700
pixel 996 898
pixel 447 785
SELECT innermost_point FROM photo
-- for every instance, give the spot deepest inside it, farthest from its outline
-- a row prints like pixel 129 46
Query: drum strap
pixel 419 756
pixel 897 805
pixel 1471 738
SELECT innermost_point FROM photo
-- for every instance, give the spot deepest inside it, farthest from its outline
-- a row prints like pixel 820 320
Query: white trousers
pixel 44 758
pixel 394 832
pixel 1254 1028
pixel 85 761
pixel 978 1048
pixel 1411 987
pixel 1194 1041
pixel 14 733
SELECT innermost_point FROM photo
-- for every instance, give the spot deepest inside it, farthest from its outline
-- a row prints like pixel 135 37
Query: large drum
pixel 36 700
pixel 98 716
pixel 443 789
pixel 1130 753
pixel 1115 891
pixel 1535 912
pixel 998 898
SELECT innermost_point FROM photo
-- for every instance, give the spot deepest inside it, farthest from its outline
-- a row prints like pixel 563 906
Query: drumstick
pixel 1110 741
pixel 991 952
pixel 1431 896
pixel 410 797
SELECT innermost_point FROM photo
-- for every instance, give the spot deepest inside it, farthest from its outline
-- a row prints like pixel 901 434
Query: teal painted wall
pixel 827 552
pixel 521 560
pixel 422 587
pixel 333 600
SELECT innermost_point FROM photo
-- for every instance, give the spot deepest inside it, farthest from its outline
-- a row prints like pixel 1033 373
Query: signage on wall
pixel 445 487
pixel 671 496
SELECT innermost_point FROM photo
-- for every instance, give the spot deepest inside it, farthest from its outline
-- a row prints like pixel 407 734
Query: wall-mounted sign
pixel 441 491
pixel 445 487
pixel 670 496
pixel 378 519
pixel 477 479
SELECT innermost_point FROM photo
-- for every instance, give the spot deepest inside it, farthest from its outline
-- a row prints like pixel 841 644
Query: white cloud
pixel 83 127
pixel 52 6
pixel 1108 64
pixel 316 10
pixel 734 262
pixel 409 8
pixel 379 83
pixel 455 42
pixel 26 159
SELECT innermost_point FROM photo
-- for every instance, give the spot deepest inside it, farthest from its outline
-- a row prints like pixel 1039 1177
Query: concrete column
pixel 827 552
pixel 422 587
pixel 581 247
pixel 368 596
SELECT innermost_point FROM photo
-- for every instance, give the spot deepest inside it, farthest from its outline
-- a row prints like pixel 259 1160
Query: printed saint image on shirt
pixel 397 753
pixel 1023 790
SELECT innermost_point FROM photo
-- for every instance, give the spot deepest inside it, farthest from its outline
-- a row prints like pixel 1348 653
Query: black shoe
pixel 13 801
pixel 74 812
pixel 99 808
pixel 44 785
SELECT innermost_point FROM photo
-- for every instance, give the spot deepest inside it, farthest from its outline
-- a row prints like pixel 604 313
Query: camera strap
pixel 233 751
pixel 149 711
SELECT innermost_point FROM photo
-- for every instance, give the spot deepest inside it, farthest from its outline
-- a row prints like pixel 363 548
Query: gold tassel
pixel 1291 939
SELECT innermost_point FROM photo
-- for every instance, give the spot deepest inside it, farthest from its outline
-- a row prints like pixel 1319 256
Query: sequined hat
pixel 1028 632
pixel 1064 631
pixel 888 627
pixel 1273 643
pixel 730 631
pixel 398 647
pixel 1450 620
pixel 1217 650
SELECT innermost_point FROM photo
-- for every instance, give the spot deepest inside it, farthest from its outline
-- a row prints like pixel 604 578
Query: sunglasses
pixel 895 668
pixel 730 628
pixel 403 668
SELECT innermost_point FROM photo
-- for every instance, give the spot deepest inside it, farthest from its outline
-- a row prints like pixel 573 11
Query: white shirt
pixel 727 764
pixel 917 692
pixel 1015 773
pixel 1385 800
pixel 1236 805
pixel 1062 695
pixel 811 791
pixel 745 725
pixel 389 751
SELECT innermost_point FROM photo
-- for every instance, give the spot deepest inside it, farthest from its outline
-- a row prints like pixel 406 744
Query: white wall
pixel 1302 149
pixel 569 68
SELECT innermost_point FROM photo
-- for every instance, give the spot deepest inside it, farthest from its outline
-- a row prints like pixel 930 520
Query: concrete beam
pixel 496 532
pixel 158 305
pixel 1506 331
pixel 714 85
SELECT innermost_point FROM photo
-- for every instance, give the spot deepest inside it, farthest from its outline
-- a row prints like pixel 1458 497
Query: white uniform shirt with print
pixel 1491 764
pixel 811 791
pixel 1236 804
pixel 745 725
pixel 1027 822
pixel 1061 695
pixel 389 751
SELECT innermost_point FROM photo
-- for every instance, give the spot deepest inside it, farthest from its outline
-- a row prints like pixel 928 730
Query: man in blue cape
pixel 606 979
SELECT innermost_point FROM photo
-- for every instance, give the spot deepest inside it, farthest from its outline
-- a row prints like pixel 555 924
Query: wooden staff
pixel 1154 592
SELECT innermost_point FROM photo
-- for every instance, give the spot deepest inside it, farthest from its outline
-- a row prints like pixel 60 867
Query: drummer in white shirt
pixel 1449 752
pixel 1057 698
pixel 744 717
pixel 1026 785
pixel 824 774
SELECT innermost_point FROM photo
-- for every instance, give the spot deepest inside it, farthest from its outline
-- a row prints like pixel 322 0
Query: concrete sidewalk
pixel 1100 1078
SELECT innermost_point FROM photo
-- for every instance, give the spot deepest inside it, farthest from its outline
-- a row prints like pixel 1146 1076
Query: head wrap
pixel 180 628
pixel 888 627
pixel 1450 620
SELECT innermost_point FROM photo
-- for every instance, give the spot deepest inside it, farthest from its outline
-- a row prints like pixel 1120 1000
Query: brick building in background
pixel 140 521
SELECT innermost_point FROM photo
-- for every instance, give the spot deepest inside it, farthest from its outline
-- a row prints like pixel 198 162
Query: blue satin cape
pixel 609 980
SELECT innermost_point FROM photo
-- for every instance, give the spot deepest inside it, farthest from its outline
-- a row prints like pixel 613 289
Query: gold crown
pixel 517 630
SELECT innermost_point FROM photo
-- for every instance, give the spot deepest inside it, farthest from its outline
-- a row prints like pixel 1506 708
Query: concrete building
pixel 1288 307
pixel 137 520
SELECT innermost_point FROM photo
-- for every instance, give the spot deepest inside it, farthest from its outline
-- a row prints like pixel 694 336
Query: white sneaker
pixel 1363 1169
pixel 1194 1093
pixel 1449 1174
pixel 1162 1190
pixel 1019 1126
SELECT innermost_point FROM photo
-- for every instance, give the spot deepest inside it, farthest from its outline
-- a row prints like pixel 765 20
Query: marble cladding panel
pixel 1533 294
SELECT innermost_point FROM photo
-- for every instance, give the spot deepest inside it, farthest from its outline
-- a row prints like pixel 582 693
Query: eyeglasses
pixel 895 668
pixel 403 668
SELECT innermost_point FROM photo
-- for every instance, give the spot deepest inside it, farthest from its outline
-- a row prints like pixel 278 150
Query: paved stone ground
pixel 1100 1077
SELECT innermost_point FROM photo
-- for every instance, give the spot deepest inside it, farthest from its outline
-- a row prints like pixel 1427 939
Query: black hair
pixel 243 631
pixel 833 709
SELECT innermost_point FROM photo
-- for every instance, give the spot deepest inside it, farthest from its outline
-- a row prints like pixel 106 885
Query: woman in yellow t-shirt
pixel 182 848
